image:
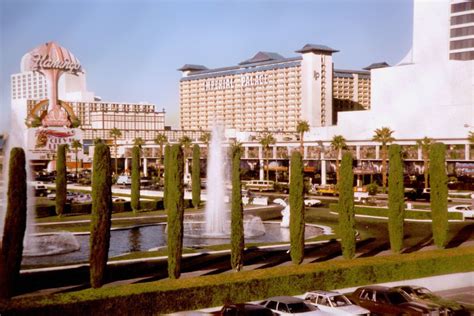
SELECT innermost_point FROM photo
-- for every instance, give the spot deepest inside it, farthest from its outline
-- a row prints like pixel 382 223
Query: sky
pixel 131 49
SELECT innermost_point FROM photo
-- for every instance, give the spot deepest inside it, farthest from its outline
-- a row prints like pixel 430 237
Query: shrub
pixel 175 206
pixel 166 185
pixel 237 224
pixel 61 181
pixel 345 206
pixel 373 188
pixel 135 198
pixel 439 194
pixel 120 207
pixel 168 296
pixel 11 249
pixel 196 176
pixel 296 208
pixel 396 199
pixel 101 214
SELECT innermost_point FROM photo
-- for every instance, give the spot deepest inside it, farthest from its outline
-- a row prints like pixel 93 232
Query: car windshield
pixel 421 291
pixel 396 298
pixel 339 300
pixel 300 307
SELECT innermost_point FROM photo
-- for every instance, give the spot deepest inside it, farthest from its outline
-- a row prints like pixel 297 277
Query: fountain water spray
pixel 216 212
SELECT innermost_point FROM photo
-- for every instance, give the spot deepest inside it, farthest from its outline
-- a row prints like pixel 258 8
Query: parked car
pixel 38 187
pixel 312 202
pixel 334 303
pixel 389 301
pixel 289 305
pixel 466 210
pixel 423 294
pixel 124 180
pixel 117 199
pixel 82 198
pixel 245 309
pixel 325 190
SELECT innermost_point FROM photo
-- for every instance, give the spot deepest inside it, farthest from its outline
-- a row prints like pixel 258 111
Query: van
pixel 260 185
pixel 124 180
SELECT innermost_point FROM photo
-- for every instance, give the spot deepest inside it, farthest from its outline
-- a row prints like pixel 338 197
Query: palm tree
pixel 338 143
pixel 205 138
pixel 301 128
pixel 425 145
pixel 470 137
pixel 161 140
pixel 186 143
pixel 384 136
pixel 266 140
pixel 115 133
pixel 138 142
pixel 76 145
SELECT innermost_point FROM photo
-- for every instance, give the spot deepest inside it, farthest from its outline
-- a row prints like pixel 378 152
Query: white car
pixel 334 303
pixel 312 202
pixel 289 305
pixel 466 210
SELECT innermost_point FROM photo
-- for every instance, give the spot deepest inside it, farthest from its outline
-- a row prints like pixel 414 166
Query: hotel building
pixel 461 46
pixel 271 92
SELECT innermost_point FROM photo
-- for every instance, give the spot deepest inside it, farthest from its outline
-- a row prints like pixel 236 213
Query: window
pixel 272 305
pixel 461 19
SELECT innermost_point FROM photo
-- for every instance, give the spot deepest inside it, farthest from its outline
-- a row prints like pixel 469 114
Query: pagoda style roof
pixel 316 48
pixel 191 67
pixel 377 65
pixel 261 57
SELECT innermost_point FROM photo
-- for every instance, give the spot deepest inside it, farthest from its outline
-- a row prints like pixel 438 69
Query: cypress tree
pixel 135 199
pixel 166 177
pixel 439 194
pixel 345 208
pixel 196 176
pixel 296 208
pixel 61 181
pixel 396 197
pixel 101 214
pixel 15 224
pixel 237 216
pixel 175 206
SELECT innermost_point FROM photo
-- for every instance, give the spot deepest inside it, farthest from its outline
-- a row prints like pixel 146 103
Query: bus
pixel 260 185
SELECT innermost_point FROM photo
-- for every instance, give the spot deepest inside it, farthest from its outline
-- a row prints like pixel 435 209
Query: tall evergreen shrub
pixel 346 208
pixel 175 206
pixel 166 176
pixel 196 176
pixel 11 249
pixel 237 216
pixel 61 181
pixel 101 214
pixel 439 194
pixel 396 199
pixel 296 208
pixel 135 198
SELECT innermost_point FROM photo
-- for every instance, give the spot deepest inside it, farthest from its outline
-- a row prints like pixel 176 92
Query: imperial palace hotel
pixel 271 92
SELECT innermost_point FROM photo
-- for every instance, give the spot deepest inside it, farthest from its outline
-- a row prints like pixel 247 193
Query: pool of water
pixel 147 237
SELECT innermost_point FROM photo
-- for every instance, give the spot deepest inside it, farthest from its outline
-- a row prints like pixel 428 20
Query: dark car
pixel 383 300
pixel 423 294
pixel 245 309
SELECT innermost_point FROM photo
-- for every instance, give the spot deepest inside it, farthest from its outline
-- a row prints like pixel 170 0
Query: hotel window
pixel 462 31
pixel 460 7
pixel 461 19
pixel 467 43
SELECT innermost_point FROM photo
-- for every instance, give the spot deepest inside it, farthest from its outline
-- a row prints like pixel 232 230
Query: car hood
pixel 418 305
pixel 352 309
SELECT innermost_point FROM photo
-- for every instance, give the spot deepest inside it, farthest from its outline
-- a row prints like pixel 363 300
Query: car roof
pixel 327 293
pixel 285 299
pixel 248 306
pixel 375 287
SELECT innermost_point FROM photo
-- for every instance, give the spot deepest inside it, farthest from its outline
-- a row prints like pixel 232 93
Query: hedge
pixel 439 194
pixel 409 214
pixel 168 295
pixel 346 227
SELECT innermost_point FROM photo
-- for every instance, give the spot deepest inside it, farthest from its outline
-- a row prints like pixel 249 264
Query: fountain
pixel 216 214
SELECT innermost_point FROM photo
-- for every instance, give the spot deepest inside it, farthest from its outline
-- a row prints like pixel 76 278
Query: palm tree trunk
pixel 384 168
pixel 268 168
pixel 76 163
pixel 116 164
pixel 426 168
pixel 302 145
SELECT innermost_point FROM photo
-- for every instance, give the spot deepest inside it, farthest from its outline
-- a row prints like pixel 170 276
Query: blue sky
pixel 131 49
